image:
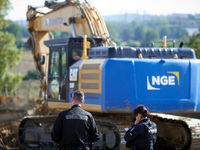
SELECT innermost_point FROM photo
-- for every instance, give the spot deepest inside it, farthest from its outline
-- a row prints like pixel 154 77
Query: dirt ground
pixel 8 135
pixel 27 91
pixel 10 119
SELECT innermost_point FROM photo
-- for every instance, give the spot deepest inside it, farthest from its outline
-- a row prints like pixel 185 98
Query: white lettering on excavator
pixel 55 21
pixel 162 80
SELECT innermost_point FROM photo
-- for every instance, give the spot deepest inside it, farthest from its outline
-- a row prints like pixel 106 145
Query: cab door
pixel 56 76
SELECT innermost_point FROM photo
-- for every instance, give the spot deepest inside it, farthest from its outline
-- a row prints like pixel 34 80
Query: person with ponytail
pixel 143 133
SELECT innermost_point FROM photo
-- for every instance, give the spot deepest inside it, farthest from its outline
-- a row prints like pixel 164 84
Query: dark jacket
pixel 74 127
pixel 142 136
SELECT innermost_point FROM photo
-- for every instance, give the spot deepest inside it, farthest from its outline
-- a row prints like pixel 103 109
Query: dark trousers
pixel 133 148
pixel 74 148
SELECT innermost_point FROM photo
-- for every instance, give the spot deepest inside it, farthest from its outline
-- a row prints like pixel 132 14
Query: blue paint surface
pixel 162 85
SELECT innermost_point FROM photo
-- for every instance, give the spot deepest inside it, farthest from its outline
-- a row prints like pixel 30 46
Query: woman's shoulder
pixel 140 126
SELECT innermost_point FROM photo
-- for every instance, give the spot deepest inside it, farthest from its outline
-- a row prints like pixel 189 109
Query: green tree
pixel 58 34
pixel 151 35
pixel 15 29
pixel 164 31
pixel 157 23
pixel 32 74
pixel 126 34
pixel 195 43
pixel 9 54
pixel 114 30
pixel 24 31
pixel 4 8
pixel 133 43
pixel 140 33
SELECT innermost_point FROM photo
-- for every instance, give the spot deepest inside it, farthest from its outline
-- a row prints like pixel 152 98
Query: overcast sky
pixel 108 7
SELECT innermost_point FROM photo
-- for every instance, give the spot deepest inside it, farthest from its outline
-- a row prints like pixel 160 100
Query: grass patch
pixel 28 90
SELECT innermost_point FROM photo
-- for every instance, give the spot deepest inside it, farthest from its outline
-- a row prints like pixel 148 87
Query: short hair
pixel 78 96
pixel 141 109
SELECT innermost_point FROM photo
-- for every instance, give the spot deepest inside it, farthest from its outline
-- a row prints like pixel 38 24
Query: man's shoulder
pixel 75 110
pixel 86 112
pixel 64 112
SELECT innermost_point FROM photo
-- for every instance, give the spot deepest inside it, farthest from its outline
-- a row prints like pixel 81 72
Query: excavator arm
pixel 70 16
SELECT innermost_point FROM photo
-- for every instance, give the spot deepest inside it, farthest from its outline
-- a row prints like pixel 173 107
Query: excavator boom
pixel 72 16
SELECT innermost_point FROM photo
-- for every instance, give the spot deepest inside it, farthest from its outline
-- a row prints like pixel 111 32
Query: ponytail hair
pixel 141 109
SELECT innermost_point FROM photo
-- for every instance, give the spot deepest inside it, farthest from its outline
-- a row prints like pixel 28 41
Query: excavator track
pixel 35 132
pixel 177 132
pixel 174 133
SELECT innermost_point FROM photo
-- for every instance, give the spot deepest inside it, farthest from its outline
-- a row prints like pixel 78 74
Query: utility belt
pixel 74 147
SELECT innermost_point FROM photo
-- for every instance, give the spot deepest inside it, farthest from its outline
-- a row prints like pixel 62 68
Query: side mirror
pixel 42 60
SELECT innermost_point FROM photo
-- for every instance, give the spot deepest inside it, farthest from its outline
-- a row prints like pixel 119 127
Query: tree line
pixel 134 33
pixel 139 33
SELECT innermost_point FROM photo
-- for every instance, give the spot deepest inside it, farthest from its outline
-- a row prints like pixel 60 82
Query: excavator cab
pixel 58 65
pixel 57 68
pixel 63 53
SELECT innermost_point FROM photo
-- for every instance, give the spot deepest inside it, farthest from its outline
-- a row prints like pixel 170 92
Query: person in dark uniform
pixel 143 134
pixel 75 128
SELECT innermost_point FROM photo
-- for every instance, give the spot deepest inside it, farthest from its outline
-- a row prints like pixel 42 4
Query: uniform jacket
pixel 142 136
pixel 75 126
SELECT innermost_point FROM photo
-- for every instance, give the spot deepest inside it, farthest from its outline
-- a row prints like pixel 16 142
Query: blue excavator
pixel 115 80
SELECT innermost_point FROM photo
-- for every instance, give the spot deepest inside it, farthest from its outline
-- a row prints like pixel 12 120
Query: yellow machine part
pixel 9 99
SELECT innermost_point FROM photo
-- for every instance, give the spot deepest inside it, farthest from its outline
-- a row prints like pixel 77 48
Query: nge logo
pixel 162 81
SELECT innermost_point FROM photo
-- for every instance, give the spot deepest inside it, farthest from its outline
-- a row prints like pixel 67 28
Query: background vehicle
pixel 115 79
pixel 9 101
